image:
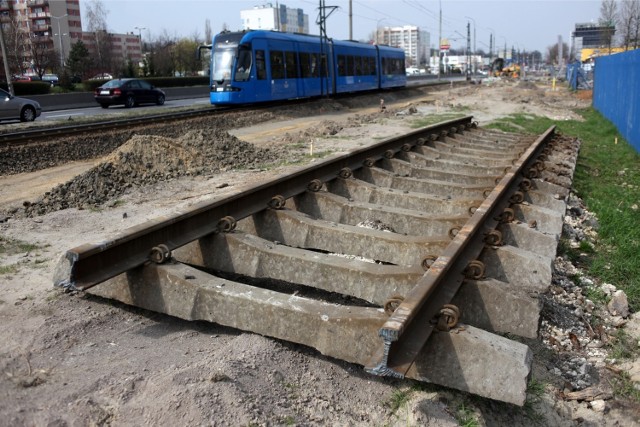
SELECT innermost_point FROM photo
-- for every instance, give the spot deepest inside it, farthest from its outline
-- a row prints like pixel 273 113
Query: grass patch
pixel 8 269
pixel 12 247
pixel 465 416
pixel 623 387
pixel 623 346
pixel 607 178
pixel 398 399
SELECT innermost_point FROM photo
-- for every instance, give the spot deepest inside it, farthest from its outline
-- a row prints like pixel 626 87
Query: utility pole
pixel 468 49
pixel 350 19
pixel 324 42
pixel 440 42
pixel 491 48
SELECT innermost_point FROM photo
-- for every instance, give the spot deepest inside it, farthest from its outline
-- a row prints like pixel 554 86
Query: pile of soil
pixel 147 159
pixel 95 144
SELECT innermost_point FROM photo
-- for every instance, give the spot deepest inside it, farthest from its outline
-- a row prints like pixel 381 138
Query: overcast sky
pixel 524 24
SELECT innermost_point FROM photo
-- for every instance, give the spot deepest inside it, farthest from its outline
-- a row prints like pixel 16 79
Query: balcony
pixel 35 28
pixel 34 3
pixel 39 15
pixel 4 6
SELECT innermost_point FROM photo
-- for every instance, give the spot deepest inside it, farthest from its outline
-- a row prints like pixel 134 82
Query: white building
pixel 414 41
pixel 456 63
pixel 269 17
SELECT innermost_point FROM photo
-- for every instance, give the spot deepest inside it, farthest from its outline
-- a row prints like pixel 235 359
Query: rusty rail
pixel 409 327
pixel 395 341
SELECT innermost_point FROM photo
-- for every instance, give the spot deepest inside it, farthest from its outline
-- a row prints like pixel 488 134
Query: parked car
pixel 16 108
pixel 102 76
pixel 50 78
pixel 27 79
pixel 128 92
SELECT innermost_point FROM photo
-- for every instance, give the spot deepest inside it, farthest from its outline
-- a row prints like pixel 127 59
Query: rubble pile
pixel 146 160
pixel 95 144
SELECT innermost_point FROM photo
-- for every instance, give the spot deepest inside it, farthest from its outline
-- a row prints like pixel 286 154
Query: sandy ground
pixel 75 360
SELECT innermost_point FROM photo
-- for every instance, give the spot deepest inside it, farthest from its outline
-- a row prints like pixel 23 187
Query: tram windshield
pixel 222 60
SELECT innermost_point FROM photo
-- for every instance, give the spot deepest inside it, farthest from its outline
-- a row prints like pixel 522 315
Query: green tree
pixel 185 57
pixel 79 62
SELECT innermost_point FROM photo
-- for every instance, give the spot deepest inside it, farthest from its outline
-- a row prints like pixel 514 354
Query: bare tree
pixel 630 23
pixel 162 55
pixel 608 19
pixel 17 43
pixel 553 53
pixel 96 18
pixel 42 56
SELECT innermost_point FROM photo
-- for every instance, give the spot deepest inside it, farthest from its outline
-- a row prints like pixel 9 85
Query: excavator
pixel 499 70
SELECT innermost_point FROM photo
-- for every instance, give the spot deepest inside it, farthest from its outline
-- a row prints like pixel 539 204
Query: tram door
pixel 283 64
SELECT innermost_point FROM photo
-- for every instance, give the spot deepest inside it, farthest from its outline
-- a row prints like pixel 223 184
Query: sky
pixel 522 24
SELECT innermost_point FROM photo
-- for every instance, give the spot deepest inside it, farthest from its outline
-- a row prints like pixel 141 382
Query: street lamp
pixel 58 18
pixel 505 47
pixel 140 32
pixel 378 29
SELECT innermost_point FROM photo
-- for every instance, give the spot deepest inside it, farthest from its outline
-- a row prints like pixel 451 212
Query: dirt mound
pixel 145 160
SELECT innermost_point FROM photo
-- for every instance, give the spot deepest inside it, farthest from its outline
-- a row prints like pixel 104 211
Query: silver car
pixel 16 108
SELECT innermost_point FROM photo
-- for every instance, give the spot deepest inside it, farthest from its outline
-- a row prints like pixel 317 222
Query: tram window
pixel 358 65
pixel 277 64
pixel 342 65
pixel 261 68
pixel 323 66
pixel 314 70
pixel 292 65
pixel 349 65
pixel 372 66
pixel 243 64
pixel 365 66
pixel 305 65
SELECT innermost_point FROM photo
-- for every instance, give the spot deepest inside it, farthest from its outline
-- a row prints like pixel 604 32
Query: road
pixel 72 113
pixel 79 105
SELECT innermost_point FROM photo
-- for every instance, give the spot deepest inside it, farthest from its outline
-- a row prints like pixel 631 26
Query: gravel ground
pixel 73 359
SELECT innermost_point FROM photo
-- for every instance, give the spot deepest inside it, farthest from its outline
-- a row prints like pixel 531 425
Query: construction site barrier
pixel 615 93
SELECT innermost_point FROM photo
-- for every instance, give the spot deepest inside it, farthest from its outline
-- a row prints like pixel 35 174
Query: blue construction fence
pixel 616 92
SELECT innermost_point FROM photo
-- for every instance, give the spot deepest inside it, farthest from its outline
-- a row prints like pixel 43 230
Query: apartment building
pixel 56 25
pixel 414 41
pixel 269 17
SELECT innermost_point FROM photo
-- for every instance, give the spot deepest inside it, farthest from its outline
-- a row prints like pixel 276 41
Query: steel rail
pixel 90 264
pixel 16 138
pixel 406 331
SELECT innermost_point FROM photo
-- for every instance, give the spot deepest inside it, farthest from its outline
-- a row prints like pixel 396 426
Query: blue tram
pixel 260 66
